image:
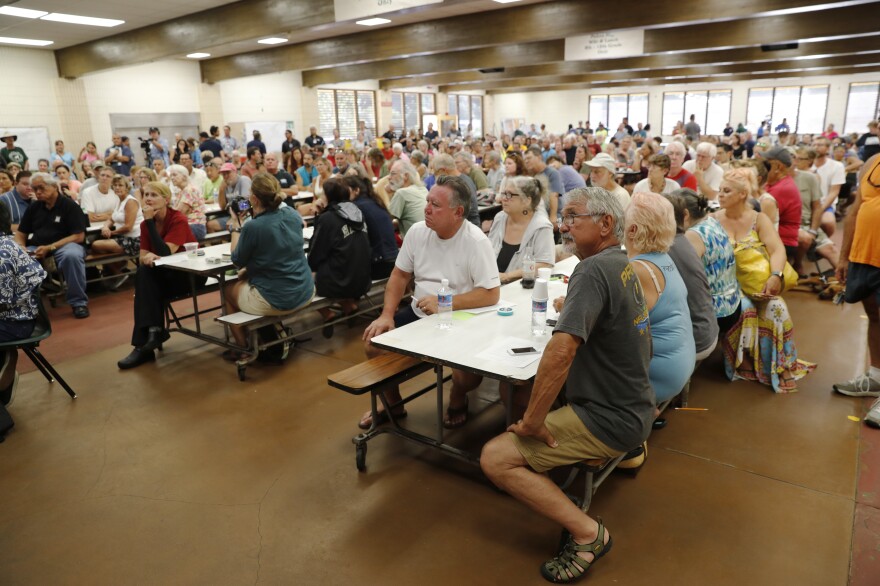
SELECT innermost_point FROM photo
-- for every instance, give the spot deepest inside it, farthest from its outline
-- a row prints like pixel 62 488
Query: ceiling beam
pixel 700 70
pixel 521 70
pixel 538 22
pixel 609 85
pixel 488 57
pixel 235 22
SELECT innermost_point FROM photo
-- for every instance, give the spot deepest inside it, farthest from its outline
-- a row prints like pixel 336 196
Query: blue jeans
pixel 71 261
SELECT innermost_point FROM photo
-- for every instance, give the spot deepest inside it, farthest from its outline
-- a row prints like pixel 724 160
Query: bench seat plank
pixel 375 372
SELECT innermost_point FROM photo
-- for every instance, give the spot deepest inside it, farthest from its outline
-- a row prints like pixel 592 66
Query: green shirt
pixel 211 189
pixel 16 155
pixel 479 178
pixel 408 206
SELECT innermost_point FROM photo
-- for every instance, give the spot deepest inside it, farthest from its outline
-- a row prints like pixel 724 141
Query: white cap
pixel 540 290
pixel 444 283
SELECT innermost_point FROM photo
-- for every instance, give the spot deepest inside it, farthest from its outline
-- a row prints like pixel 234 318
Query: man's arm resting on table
pixel 552 373
pixel 478 297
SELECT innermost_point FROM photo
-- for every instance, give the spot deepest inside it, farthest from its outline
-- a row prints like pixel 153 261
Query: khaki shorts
pixel 251 301
pixel 576 443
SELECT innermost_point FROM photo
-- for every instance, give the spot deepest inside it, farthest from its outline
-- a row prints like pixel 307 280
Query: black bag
pixel 6 423
pixel 274 354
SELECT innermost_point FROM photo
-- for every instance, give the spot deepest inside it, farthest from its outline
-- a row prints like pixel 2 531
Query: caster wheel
pixel 361 457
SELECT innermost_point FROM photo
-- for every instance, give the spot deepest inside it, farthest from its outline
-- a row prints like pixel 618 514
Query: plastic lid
pixel 444 283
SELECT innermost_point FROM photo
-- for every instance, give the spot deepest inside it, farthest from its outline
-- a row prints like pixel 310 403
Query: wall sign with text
pixel 352 9
pixel 605 45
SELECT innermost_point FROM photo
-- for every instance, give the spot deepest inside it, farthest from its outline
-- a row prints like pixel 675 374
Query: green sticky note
pixel 461 315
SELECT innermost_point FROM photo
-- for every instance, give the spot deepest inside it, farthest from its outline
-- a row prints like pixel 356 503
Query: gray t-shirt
pixel 808 185
pixel 608 384
pixel 474 213
pixel 699 300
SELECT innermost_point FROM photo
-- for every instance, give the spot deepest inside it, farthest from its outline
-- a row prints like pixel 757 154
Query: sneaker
pixel 872 418
pixel 861 386
pixel 81 311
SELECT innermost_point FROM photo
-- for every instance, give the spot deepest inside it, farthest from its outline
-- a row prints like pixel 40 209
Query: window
pixel 469 110
pixel 611 110
pixel 803 108
pixel 711 110
pixel 344 110
pixel 862 106
pixel 407 109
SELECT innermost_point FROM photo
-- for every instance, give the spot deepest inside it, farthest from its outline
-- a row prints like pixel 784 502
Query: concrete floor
pixel 177 473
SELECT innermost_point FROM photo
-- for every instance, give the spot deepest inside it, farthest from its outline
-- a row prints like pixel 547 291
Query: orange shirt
pixel 866 241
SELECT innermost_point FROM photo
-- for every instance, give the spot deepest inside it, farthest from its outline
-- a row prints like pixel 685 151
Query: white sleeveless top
pixel 118 217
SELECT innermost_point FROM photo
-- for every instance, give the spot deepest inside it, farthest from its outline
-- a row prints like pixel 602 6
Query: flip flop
pixel 381 417
pixel 452 412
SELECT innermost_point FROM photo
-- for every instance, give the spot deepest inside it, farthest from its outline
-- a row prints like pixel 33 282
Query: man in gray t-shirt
pixel 600 349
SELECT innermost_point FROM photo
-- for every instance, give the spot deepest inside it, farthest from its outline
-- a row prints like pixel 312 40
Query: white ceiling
pixel 135 13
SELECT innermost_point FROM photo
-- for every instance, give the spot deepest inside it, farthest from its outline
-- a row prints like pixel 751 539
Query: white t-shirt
pixel 621 194
pixel 712 175
pixel 644 186
pixel 197 179
pixel 92 201
pixel 466 259
pixel 830 174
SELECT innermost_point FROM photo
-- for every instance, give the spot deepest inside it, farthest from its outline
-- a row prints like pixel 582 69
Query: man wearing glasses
pixel 600 350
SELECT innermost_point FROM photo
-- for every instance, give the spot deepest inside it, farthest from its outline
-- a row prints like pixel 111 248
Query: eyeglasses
pixel 508 195
pixel 568 219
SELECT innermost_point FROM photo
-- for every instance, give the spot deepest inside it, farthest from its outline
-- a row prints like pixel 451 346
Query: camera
pixel 239 205
pixel 145 143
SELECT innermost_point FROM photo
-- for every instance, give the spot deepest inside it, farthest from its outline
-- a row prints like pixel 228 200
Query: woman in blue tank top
pixel 650 230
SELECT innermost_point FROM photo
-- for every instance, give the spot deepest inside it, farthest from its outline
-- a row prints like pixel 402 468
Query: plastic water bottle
pixel 444 305
pixel 528 269
pixel 539 308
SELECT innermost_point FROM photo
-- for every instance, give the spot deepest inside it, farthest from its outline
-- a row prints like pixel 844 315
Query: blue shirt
pixel 379 229
pixel 307 176
pixel 17 206
pixel 20 279
pixel 164 155
pixel 66 158
pixel 271 249
pixel 117 165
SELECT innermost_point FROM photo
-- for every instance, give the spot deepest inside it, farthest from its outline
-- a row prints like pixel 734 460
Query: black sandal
pixel 568 566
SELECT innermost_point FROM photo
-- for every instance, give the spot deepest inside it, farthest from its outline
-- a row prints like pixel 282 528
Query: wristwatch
pixel 235 229
pixel 777 274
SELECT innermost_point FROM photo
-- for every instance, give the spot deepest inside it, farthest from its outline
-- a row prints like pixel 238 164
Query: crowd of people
pixel 685 246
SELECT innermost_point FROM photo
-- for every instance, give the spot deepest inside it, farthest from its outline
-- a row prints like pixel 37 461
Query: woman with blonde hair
pixel 274 276
pixel 163 232
pixel 760 347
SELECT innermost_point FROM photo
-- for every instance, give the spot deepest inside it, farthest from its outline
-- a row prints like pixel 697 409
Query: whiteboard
pixel 34 140
pixel 272 134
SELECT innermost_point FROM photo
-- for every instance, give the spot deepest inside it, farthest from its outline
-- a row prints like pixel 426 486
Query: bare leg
pixel 516 396
pixel 830 253
pixel 871 309
pixel 231 306
pixel 829 223
pixel 505 466
pixel 391 395
pixel 462 384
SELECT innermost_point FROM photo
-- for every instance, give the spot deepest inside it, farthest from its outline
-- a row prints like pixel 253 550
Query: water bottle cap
pixel 444 282
pixel 540 290
pixel 544 273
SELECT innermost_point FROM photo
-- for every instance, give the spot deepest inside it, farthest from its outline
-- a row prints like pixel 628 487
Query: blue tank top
pixel 720 265
pixel 671 331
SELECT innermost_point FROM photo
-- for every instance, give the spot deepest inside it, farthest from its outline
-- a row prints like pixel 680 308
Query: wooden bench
pixel 375 376
pixel 216 237
pixel 254 322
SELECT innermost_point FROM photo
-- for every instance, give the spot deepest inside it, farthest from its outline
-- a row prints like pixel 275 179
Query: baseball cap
pixel 227 167
pixel 603 160
pixel 153 129
pixel 778 153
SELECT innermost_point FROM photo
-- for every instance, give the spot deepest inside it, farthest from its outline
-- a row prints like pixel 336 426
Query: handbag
pixel 753 268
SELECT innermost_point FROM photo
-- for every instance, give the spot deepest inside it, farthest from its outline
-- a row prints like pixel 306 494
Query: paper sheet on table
pixel 498 352
pixel 174 258
pixel 488 308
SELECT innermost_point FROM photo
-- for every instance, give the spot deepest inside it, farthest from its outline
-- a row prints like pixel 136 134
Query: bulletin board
pixel 33 140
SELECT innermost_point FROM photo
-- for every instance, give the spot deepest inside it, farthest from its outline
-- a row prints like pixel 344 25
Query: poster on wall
pixel 354 9
pixel 33 140
pixel 608 45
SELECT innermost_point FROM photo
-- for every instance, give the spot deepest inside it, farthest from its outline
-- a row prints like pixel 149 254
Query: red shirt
pixel 685 180
pixel 788 200
pixel 175 230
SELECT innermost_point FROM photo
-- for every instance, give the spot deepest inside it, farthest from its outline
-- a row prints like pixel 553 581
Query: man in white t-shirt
pixel 832 175
pixel 707 172
pixel 99 201
pixel 444 246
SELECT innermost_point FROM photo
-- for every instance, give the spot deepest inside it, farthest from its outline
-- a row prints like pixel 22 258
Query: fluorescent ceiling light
pixel 272 41
pixel 31 42
pixel 198 55
pixel 373 21
pixel 87 20
pixel 22 12
pixel 505 1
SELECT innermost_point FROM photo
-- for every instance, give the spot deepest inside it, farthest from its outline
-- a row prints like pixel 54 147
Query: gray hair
pixel 47 178
pixel 178 169
pixel 461 193
pixel 531 187
pixel 676 145
pixel 408 170
pixel 598 200
pixel 707 148
pixel 492 157
pixel 466 157
pixel 444 161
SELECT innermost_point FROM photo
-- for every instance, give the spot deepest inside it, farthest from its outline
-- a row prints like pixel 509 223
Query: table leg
pixel 439 370
pixel 221 281
pixel 195 298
